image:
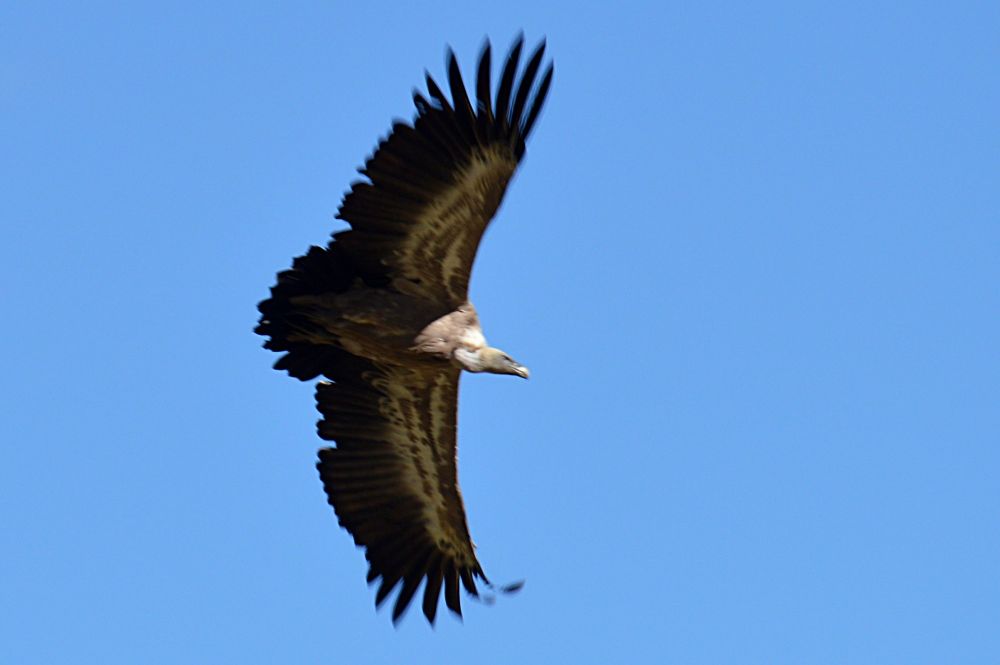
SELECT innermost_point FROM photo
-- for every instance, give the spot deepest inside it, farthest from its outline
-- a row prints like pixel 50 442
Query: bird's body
pixel 383 313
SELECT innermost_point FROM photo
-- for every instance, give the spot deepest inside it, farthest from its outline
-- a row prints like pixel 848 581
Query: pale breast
pixel 453 331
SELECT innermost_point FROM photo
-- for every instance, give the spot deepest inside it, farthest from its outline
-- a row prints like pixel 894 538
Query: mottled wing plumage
pixel 393 481
pixel 434 186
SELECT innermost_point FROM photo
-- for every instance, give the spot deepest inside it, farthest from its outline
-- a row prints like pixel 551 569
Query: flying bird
pixel 383 314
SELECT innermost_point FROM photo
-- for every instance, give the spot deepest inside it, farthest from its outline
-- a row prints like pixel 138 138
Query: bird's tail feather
pixel 284 322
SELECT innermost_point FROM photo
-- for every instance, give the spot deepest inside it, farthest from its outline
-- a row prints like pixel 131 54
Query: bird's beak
pixel 522 371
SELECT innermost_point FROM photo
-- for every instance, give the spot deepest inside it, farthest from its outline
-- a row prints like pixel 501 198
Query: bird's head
pixel 496 361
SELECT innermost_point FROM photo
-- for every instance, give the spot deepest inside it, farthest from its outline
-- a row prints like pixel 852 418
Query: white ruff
pixel 472 338
pixel 469 359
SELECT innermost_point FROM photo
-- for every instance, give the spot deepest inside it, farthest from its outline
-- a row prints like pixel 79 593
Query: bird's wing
pixel 393 482
pixel 435 185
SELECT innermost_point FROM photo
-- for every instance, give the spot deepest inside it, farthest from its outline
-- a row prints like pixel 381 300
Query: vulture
pixel 382 314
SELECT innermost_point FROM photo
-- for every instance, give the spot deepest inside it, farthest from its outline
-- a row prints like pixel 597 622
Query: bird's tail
pixel 288 325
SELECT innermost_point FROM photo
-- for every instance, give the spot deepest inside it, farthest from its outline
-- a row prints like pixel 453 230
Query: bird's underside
pixel 389 327
pixel 382 313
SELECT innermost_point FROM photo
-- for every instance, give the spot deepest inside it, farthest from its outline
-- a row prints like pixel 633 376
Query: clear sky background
pixel 752 259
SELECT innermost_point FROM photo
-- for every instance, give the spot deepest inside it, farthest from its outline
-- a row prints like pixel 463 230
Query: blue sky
pixel 752 259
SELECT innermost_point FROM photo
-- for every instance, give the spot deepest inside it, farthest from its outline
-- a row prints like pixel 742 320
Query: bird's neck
pixel 469 359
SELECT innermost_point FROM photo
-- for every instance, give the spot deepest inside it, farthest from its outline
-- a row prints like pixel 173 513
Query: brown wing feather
pixel 434 186
pixel 393 481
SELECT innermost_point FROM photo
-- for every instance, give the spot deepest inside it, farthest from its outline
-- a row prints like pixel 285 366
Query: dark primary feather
pixel 463 110
pixel 484 108
pixel 389 467
pixel 536 106
pixel 502 112
pixel 524 87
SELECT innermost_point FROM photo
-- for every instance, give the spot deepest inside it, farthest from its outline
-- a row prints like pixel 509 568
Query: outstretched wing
pixel 393 481
pixel 434 186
